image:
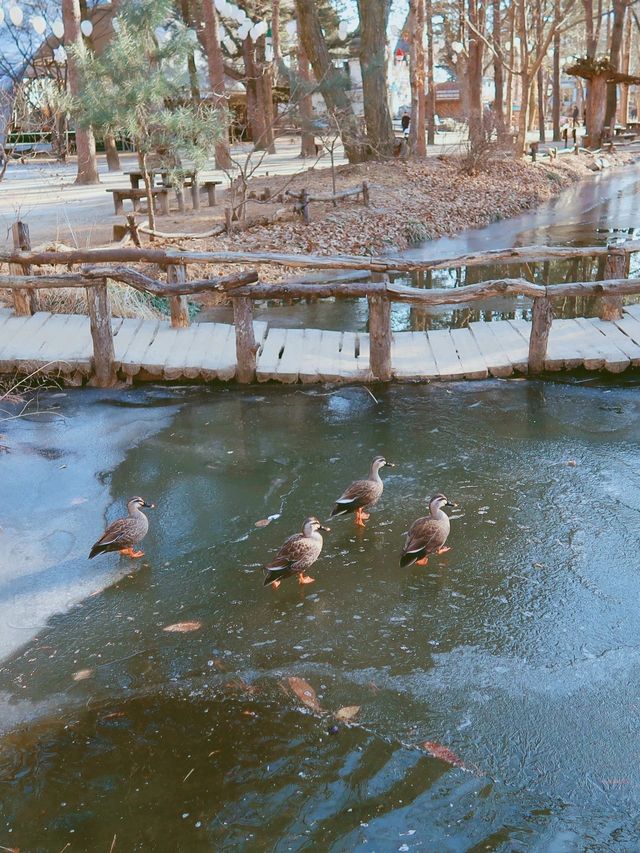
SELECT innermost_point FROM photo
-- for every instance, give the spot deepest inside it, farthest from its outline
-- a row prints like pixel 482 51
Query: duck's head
pixel 438 501
pixel 138 503
pixel 379 462
pixel 312 525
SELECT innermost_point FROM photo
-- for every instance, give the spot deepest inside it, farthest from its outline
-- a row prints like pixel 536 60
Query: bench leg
pixel 117 203
pixel 136 203
pixel 163 201
pixel 211 194
pixel 195 195
pixel 180 197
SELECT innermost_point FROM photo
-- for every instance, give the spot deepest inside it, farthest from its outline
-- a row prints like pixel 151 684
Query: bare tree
pixel 215 64
pixel 85 141
pixel 374 17
pixel 330 81
pixel 417 142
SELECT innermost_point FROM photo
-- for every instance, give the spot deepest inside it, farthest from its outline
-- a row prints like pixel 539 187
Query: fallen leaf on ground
pixel 305 693
pixel 348 713
pixel 262 522
pixel 572 463
pixel 183 627
pixel 241 686
pixel 437 750
pixel 81 674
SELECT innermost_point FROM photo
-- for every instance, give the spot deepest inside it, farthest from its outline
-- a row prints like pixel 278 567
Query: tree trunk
pixel 596 110
pixel 557 93
pixel 523 116
pixel 331 81
pixel 416 73
pixel 498 70
pixel 254 115
pixel 305 106
pixel 85 141
pixel 148 184
pixel 275 41
pixel 265 93
pixel 431 88
pixel 475 14
pixel 540 75
pixel 111 149
pixel 615 50
pixel 215 64
pixel 374 17
pixel 626 65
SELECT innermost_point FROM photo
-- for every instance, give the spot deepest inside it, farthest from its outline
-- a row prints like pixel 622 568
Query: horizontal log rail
pixel 96 266
pixel 165 257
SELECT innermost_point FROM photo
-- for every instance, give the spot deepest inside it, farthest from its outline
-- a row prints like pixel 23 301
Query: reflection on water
pixel 592 213
pixel 518 649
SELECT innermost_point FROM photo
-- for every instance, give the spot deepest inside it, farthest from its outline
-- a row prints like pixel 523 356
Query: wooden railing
pixel 96 266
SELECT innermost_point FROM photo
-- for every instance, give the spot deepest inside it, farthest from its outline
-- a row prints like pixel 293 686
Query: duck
pixel 427 535
pixel 362 494
pixel 297 554
pixel 124 533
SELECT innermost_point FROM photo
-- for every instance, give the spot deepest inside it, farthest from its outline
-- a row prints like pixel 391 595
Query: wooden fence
pixel 96 266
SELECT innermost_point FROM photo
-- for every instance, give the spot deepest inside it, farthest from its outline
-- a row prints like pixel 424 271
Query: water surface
pixel 518 649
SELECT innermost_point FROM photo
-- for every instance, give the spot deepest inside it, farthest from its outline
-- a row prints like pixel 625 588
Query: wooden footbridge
pixel 108 349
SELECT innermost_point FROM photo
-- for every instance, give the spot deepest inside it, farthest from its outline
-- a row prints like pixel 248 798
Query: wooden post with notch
pixel 99 306
pixel 246 347
pixel 178 305
pixel 380 333
pixel 365 194
pixel 25 302
pixel 541 320
pixel 616 266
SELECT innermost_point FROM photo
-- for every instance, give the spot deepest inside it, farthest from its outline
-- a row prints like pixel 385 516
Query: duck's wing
pixel 425 536
pixel 354 496
pixel 119 534
pixel 292 549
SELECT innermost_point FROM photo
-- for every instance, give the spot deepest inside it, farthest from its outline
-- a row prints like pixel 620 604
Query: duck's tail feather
pixel 409 558
pixel 343 509
pixel 275 574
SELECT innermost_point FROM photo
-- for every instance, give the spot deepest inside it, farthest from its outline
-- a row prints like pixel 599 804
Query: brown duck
pixel 362 494
pixel 427 535
pixel 124 533
pixel 297 554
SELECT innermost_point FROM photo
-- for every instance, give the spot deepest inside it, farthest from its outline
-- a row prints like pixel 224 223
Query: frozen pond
pixel 518 650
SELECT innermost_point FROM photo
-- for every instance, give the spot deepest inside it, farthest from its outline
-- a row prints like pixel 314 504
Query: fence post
pixel 304 205
pixel 615 266
pixel 365 194
pixel 25 302
pixel 178 305
pixel 246 347
pixel 99 306
pixel 541 319
pixel 380 333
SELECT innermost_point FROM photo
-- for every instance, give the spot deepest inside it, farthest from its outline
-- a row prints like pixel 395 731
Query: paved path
pixel 149 349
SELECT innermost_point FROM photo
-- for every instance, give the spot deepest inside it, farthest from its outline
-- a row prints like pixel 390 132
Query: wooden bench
pixel 210 187
pixel 160 197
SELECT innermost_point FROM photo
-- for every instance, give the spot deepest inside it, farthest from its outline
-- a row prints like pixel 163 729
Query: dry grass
pixel 125 302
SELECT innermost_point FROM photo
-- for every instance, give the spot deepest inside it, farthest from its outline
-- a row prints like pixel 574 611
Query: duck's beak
pixel 149 506
pixel 326 529
pixel 390 464
pixel 450 503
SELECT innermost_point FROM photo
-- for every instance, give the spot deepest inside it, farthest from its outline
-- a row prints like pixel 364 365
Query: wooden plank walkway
pixel 151 349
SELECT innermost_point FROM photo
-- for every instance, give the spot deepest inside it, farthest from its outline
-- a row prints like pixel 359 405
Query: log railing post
pixel 615 266
pixel 246 347
pixel 25 302
pixel 178 305
pixel 541 320
pixel 99 305
pixel 380 334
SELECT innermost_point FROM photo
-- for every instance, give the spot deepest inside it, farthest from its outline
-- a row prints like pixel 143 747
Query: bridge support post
pixel 25 302
pixel 99 305
pixel 615 266
pixel 246 347
pixel 178 305
pixel 380 335
pixel 541 320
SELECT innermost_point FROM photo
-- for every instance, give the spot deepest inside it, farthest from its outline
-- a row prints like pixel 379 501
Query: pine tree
pixel 138 88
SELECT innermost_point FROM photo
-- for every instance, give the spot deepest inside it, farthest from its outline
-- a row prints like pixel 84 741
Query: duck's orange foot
pixel 364 515
pixel 360 517
pixel 136 554
pixel 304 579
pixel 126 552
pixel 443 550
pixel 422 562
pixel 275 584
